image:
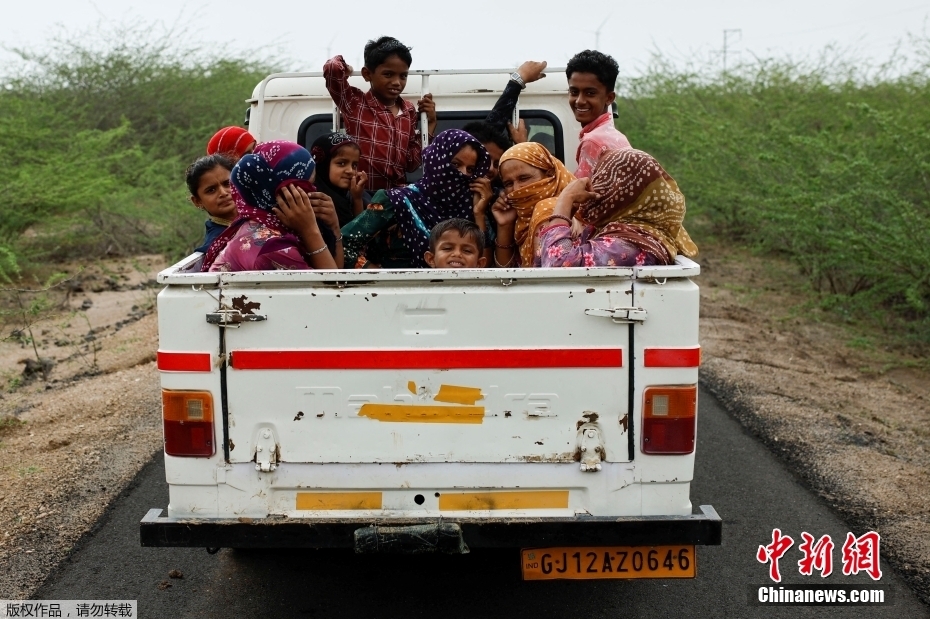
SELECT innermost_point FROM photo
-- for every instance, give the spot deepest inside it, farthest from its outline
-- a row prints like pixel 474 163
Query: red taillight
pixel 669 419
pixel 188 418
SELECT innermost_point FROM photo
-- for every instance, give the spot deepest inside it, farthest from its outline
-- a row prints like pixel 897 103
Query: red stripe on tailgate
pixel 673 357
pixel 426 359
pixel 184 361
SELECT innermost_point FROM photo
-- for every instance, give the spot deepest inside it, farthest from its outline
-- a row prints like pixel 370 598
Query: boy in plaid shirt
pixel 382 123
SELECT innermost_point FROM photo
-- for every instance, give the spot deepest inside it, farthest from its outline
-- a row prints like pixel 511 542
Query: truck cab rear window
pixel 542 126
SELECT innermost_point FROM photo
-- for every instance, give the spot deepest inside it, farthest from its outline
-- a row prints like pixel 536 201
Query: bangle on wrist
pixel 318 251
pixel 339 239
pixel 562 217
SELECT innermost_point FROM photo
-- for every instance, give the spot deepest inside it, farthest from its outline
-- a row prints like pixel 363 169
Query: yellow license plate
pixel 582 563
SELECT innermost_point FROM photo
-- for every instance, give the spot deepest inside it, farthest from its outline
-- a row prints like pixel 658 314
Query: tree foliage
pixel 824 163
pixel 96 130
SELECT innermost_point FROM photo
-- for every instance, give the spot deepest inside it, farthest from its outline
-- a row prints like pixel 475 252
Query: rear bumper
pixel 702 529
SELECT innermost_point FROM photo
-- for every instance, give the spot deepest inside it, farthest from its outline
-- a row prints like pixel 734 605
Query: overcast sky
pixel 496 33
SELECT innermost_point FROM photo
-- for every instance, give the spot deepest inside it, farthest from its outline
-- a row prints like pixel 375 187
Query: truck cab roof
pixel 446 82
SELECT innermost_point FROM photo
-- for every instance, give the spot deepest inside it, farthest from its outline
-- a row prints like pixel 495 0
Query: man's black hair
pixel 465 229
pixel 485 132
pixel 377 52
pixel 601 65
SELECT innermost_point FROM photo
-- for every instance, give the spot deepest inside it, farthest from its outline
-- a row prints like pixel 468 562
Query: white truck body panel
pixel 520 432
pixel 520 414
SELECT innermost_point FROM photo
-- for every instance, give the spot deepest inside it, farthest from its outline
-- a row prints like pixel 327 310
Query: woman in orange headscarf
pixel 530 174
pixel 632 211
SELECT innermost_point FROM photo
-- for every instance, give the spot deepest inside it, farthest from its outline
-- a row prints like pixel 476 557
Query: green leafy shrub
pixel 96 131
pixel 824 164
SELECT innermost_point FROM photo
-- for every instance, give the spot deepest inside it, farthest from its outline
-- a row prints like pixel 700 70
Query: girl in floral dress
pixel 531 175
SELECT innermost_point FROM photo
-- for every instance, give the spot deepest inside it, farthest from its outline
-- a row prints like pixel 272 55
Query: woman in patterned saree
pixel 278 227
pixel 632 211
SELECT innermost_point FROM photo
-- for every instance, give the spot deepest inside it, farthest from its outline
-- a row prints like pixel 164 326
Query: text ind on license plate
pixel 580 563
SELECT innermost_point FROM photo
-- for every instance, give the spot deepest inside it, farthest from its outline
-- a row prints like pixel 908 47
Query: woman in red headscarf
pixel 231 142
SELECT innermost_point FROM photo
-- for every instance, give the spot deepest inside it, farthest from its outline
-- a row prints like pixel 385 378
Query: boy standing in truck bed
pixel 382 123
pixel 592 77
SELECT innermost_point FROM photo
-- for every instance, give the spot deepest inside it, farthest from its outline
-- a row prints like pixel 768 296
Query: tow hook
pixel 266 450
pixel 590 447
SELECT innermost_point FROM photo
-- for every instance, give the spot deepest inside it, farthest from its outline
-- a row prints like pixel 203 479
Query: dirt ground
pixel 70 445
pixel 851 418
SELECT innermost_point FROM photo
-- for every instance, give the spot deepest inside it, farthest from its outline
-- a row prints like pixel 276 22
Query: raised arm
pixel 555 246
pixel 505 248
pixel 336 73
pixel 294 209
pixel 502 113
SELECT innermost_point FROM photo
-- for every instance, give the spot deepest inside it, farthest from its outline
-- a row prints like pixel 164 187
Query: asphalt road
pixel 750 489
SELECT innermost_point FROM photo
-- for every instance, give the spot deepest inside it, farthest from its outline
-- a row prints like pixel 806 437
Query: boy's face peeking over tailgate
pixel 455 251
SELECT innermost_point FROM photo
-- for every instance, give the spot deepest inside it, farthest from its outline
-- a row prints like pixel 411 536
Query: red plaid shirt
pixel 390 144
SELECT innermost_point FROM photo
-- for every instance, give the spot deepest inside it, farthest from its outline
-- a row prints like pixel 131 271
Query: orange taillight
pixel 669 419
pixel 188 423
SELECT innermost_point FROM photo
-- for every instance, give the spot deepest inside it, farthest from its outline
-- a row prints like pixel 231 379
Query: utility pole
pixel 329 48
pixel 597 34
pixel 726 40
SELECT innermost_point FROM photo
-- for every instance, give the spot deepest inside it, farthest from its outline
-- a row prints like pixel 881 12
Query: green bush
pixel 96 131
pixel 824 165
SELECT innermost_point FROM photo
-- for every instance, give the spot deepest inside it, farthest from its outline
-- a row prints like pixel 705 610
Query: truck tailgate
pixel 427 370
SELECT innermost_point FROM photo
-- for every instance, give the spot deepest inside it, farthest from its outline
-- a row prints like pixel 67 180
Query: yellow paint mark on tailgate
pixel 529 499
pixel 412 387
pixel 422 413
pixel 338 500
pixel 458 395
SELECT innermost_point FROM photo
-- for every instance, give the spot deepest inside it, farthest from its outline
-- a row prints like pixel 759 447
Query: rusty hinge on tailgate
pixel 267 450
pixel 233 318
pixel 622 315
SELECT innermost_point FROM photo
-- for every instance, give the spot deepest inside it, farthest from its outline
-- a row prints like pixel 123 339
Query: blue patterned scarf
pixel 442 193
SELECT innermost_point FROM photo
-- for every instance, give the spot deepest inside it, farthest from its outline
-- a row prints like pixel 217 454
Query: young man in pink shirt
pixel 592 77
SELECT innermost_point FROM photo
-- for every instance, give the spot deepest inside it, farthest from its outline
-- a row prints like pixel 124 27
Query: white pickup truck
pixel 550 410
